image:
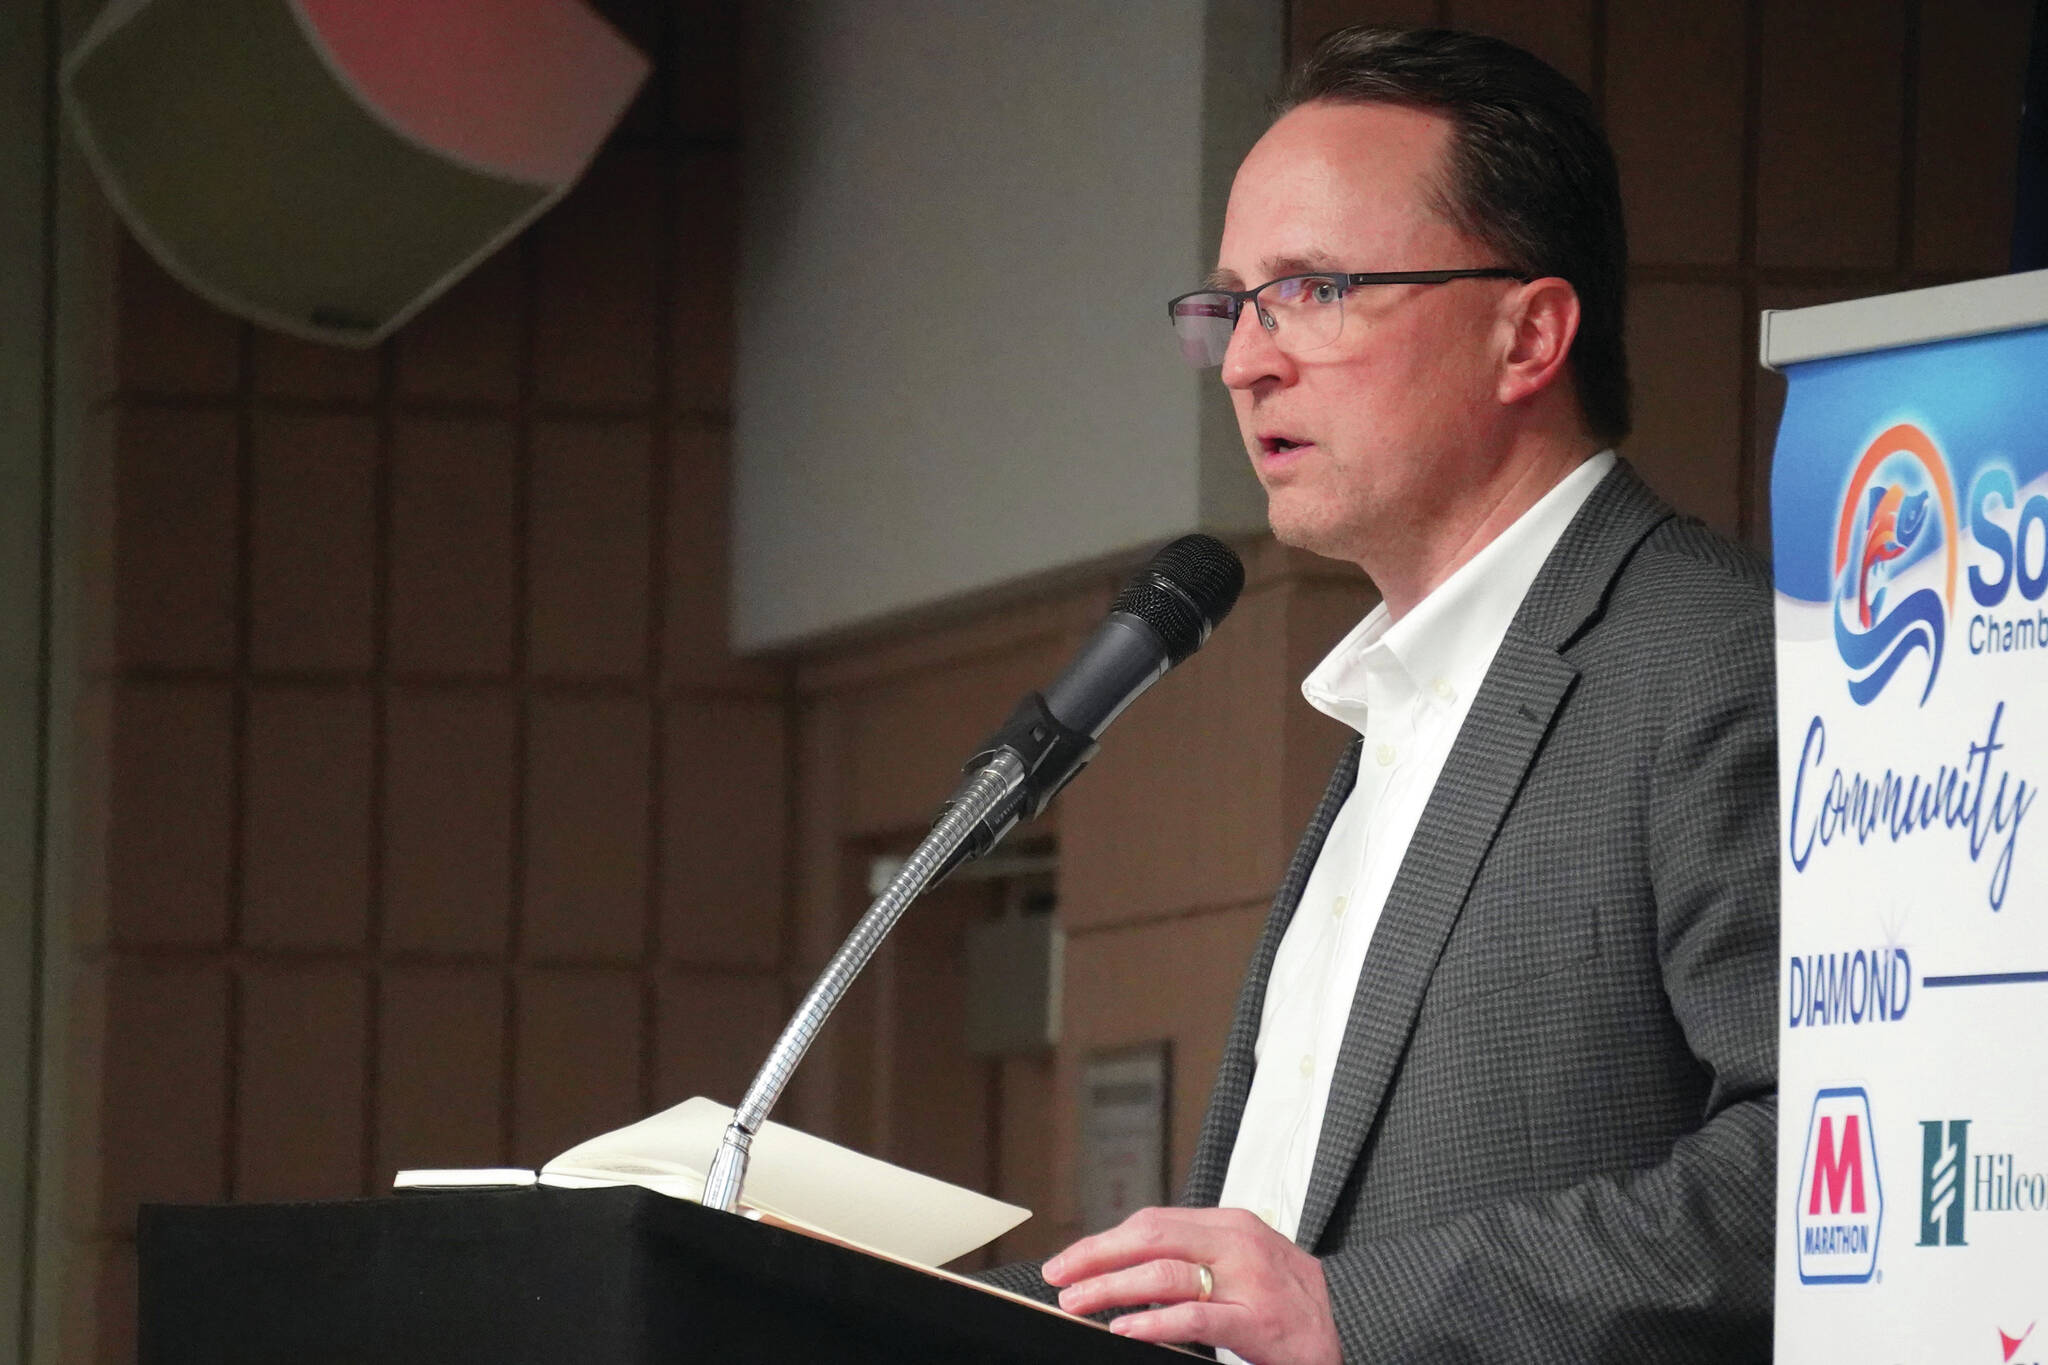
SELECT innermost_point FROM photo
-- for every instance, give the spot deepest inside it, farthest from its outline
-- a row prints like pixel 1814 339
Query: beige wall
pixel 949 291
pixel 52 240
pixel 440 827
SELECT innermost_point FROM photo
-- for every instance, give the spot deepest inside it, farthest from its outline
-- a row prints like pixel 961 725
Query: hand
pixel 1269 1303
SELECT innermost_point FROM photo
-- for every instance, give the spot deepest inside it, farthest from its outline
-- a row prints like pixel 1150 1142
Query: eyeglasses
pixel 1300 312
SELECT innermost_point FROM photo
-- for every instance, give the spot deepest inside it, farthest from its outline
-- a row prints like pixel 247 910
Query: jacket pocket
pixel 1499 948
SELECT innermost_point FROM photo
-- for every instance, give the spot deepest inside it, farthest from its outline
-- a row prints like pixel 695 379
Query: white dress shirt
pixel 1405 686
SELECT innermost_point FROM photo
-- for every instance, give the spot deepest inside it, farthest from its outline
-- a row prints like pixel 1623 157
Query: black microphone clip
pixel 1052 752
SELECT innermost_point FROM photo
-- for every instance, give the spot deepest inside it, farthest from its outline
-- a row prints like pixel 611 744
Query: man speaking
pixel 1501 1084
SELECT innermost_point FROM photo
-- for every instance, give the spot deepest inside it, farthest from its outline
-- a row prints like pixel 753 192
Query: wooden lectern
pixel 551 1276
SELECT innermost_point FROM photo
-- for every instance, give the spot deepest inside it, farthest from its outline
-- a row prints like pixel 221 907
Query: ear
pixel 1539 320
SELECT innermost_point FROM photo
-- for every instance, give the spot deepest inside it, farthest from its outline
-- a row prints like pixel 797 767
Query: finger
pixel 1203 1322
pixel 1167 1281
pixel 1190 1235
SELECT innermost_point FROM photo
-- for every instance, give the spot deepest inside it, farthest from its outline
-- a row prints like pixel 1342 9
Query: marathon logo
pixel 1839 1208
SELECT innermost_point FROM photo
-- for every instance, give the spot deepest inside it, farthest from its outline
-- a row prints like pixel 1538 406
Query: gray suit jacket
pixel 1551 1134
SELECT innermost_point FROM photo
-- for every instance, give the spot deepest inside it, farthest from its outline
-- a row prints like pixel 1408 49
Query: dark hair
pixel 1531 174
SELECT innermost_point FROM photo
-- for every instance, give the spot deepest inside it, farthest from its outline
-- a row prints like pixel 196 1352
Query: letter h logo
pixel 1941 1181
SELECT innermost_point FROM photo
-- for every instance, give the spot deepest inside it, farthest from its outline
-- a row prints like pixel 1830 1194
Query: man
pixel 1502 1081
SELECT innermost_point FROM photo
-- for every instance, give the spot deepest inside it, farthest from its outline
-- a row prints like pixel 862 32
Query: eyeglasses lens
pixel 1203 323
pixel 1300 314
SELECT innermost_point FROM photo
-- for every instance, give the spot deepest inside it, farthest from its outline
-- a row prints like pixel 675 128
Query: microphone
pixel 1164 614
pixel 1161 617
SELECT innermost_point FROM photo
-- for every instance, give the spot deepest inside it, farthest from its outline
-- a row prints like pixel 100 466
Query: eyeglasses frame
pixel 1347 281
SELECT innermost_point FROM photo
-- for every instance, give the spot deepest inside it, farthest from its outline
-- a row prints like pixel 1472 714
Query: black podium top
pixel 546 1277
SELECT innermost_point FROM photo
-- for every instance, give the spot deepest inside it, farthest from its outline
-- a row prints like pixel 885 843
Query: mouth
pixel 1279 448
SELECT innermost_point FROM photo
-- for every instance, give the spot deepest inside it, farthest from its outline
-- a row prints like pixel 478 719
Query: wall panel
pixel 422 652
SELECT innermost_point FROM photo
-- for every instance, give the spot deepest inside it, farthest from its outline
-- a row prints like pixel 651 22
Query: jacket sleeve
pixel 1672 1262
pixel 1019 1277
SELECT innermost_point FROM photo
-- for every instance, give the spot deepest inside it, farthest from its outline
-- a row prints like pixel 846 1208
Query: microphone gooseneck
pixel 1163 615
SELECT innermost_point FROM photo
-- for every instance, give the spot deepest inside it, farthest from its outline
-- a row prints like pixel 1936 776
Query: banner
pixel 1909 511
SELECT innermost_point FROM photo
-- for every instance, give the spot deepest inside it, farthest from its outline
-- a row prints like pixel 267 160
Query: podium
pixel 547 1277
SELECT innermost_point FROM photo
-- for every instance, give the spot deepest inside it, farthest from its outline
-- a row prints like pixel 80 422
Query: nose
pixel 1252 357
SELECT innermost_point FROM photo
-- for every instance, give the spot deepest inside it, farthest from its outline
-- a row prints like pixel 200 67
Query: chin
pixel 1317 535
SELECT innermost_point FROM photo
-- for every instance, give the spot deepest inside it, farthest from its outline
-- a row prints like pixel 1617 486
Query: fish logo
pixel 1900 508
pixel 1889 529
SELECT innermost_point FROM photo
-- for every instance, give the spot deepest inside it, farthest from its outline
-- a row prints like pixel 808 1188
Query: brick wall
pixel 442 827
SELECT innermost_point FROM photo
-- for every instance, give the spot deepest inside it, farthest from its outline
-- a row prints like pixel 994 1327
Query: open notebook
pixel 793 1178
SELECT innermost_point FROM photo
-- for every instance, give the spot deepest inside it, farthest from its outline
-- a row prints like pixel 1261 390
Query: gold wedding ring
pixel 1208 1282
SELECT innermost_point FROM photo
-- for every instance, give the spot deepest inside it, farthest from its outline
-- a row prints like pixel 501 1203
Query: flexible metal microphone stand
pixel 1162 616
pixel 997 784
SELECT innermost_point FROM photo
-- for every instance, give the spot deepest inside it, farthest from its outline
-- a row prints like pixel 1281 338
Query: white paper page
pixel 464 1178
pixel 800 1178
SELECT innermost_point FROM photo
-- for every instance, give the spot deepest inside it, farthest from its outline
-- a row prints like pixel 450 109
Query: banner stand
pixel 1909 515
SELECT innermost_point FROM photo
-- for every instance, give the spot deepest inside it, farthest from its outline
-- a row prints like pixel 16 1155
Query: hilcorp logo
pixel 1954 1184
pixel 1838 1206
pixel 1887 524
pixel 1943 1150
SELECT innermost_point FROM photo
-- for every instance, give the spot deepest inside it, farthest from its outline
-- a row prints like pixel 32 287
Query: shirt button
pixel 1443 690
pixel 1385 754
pixel 1338 906
pixel 1308 1066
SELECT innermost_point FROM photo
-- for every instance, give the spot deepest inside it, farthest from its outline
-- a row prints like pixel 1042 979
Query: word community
pixel 1976 796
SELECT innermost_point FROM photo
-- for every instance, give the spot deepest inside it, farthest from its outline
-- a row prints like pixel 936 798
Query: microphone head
pixel 1184 591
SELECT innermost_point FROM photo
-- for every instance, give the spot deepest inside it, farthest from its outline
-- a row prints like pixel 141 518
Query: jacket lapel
pixel 1510 716
pixel 1234 1077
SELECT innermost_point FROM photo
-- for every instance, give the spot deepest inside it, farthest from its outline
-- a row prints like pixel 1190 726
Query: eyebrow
pixel 1276 267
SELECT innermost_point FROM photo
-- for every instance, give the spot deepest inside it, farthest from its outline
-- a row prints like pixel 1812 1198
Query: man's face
pixel 1363 445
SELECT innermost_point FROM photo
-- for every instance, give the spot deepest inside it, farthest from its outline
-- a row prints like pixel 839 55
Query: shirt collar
pixel 1439 652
